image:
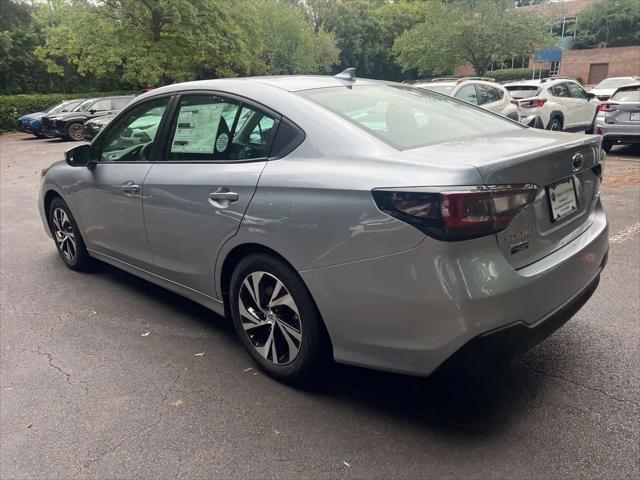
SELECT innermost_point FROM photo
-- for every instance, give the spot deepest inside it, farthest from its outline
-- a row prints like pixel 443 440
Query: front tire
pixel 66 234
pixel 276 319
pixel 75 131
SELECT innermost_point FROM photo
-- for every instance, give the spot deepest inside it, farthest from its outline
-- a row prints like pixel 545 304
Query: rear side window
pixel 627 95
pixel 211 128
pixel 559 90
pixel 468 94
pixel 523 91
pixel 407 117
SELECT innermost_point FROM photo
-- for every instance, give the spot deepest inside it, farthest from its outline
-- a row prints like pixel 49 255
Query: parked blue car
pixel 31 123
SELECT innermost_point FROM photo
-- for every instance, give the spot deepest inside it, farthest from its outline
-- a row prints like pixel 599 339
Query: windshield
pixel 84 106
pixel 614 82
pixel 65 106
pixel 407 117
pixel 445 89
pixel 523 91
pixel 627 95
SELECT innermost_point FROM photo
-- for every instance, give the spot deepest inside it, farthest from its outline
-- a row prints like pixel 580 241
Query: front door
pixel 196 198
pixel 109 195
pixel 585 109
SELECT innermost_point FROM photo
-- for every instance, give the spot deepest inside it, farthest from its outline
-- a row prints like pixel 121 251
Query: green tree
pixel 288 44
pixel 609 23
pixel 470 32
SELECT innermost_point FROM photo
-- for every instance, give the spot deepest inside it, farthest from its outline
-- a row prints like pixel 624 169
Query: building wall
pixel 622 61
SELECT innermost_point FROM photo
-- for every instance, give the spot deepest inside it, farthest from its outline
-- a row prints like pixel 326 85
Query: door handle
pixel 130 188
pixel 222 197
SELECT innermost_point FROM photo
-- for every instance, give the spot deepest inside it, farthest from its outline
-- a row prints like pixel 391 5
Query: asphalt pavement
pixel 104 375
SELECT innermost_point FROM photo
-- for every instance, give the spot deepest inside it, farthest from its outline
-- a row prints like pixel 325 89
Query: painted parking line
pixel 625 234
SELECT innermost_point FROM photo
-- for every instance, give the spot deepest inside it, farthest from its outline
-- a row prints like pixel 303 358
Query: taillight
pixel 532 103
pixel 456 213
pixel 514 101
pixel 608 107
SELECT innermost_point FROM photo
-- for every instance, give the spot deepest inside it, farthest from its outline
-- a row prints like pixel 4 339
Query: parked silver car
pixel 618 120
pixel 374 223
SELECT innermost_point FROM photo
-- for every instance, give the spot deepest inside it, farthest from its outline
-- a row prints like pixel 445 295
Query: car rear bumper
pixel 409 312
pixel 616 131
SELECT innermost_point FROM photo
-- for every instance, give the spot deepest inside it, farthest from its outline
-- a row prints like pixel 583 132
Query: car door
pixel 109 194
pixel 564 103
pixel 195 199
pixel 467 92
pixel 585 109
pixel 489 98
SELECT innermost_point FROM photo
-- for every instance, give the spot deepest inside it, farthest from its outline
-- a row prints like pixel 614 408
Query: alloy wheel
pixel 270 318
pixel 64 235
pixel 555 126
pixel 76 131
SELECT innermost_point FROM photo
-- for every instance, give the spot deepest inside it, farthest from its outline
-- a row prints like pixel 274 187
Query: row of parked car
pixel 78 119
pixel 611 109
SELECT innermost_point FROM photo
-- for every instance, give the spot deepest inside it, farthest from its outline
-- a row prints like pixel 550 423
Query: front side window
pixel 131 138
pixel 212 128
pixel 407 117
pixel 468 94
pixel 576 91
pixel 101 105
pixel 119 103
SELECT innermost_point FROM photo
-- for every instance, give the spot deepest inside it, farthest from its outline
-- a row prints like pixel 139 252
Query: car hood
pixel 602 91
pixel 33 116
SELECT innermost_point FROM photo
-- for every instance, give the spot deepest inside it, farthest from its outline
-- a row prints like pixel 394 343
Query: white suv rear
pixel 554 104
pixel 476 90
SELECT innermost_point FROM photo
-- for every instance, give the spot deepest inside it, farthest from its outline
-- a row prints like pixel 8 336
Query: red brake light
pixel 457 213
pixel 607 107
pixel 533 102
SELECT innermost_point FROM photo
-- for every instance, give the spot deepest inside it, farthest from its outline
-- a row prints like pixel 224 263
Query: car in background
pixel 382 225
pixel 560 104
pixel 69 126
pixel 618 119
pixel 605 88
pixel 480 91
pixel 32 122
pixel 93 126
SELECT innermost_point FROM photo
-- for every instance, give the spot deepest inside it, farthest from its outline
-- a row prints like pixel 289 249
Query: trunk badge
pixel 576 161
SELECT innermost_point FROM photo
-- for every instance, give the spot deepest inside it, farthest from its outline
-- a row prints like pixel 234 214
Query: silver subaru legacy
pixel 367 222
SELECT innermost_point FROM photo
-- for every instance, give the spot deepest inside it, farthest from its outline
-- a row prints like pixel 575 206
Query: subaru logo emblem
pixel 576 162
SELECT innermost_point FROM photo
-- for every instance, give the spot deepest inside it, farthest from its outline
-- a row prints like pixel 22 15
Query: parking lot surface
pixel 104 375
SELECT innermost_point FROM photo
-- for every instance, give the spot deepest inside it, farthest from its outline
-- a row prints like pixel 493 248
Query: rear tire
pixel 66 234
pixel 283 332
pixel 555 124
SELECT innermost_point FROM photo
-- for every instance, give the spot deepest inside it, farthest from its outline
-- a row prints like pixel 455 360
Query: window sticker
pixel 196 129
pixel 222 142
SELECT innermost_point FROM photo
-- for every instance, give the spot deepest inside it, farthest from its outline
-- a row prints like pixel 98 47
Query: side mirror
pixel 591 96
pixel 80 156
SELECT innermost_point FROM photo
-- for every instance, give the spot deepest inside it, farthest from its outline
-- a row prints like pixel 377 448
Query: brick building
pixel 589 65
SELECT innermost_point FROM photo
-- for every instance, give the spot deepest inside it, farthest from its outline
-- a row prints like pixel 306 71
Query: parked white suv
pixel 605 88
pixel 480 91
pixel 558 103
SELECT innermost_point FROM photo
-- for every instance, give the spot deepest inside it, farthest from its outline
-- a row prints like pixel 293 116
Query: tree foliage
pixel 609 23
pixel 470 32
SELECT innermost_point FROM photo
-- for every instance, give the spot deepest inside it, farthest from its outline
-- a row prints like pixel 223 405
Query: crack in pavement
pixel 578 384
pixel 93 461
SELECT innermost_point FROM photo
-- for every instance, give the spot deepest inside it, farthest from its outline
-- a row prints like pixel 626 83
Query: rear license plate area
pixel 634 116
pixel 563 200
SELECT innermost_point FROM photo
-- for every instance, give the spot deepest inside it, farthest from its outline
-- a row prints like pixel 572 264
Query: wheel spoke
pixel 252 283
pixel 245 313
pixel 264 349
pixel 275 293
pixel 274 351
pixel 285 327
pixel 293 348
pixel 55 220
pixel 285 300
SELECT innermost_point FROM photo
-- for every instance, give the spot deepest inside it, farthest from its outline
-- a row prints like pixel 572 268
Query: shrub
pixel 515 74
pixel 13 107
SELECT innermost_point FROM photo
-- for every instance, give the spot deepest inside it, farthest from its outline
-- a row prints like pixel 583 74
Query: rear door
pixel 195 199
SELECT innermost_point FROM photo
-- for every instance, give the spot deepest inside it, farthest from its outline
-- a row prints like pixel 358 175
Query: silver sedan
pixel 339 218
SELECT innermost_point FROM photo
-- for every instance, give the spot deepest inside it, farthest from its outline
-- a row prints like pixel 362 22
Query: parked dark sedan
pixel 93 126
pixel 32 122
pixel 70 125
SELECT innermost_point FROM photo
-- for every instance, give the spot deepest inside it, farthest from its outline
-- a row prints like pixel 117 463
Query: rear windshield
pixel 446 89
pixel 407 117
pixel 627 95
pixel 614 82
pixel 523 91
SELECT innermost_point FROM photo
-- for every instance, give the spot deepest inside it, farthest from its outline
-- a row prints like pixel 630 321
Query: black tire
pixel 75 131
pixel 69 243
pixel 555 124
pixel 314 346
pixel 607 146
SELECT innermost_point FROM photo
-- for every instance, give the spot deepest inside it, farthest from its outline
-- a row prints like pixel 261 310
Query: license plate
pixel 634 116
pixel 562 199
